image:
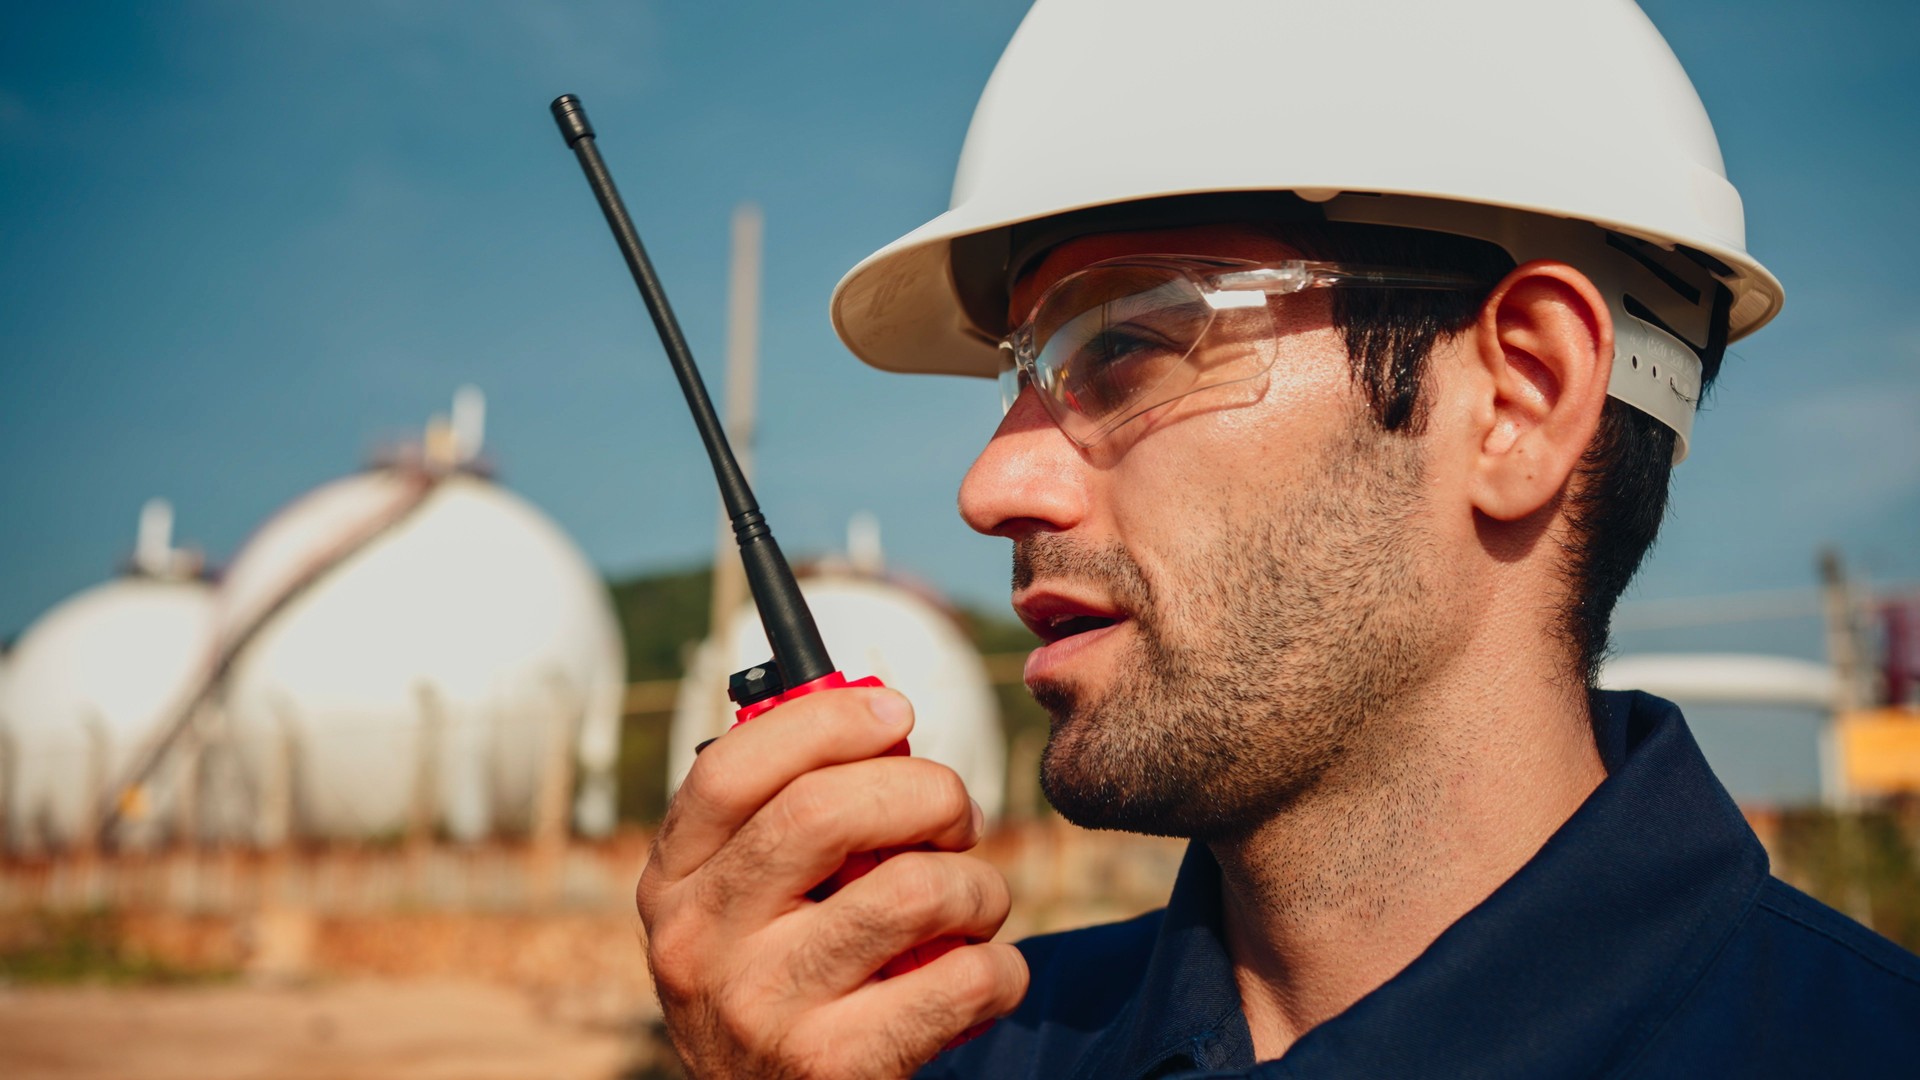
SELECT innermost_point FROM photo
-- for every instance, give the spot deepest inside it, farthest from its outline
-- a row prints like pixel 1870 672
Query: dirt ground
pixel 348 1030
pixel 353 963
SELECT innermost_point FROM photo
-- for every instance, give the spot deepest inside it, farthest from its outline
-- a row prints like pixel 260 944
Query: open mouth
pixel 1071 627
pixel 1062 627
pixel 1053 617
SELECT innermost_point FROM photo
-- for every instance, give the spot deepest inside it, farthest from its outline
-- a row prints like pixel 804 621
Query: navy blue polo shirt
pixel 1646 938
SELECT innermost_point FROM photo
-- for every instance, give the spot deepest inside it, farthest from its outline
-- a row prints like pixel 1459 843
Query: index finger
pixel 737 775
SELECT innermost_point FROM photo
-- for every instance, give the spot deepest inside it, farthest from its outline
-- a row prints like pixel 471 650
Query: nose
pixel 1030 478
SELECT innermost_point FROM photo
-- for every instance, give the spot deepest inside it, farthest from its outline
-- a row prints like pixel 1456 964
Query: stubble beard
pixel 1258 662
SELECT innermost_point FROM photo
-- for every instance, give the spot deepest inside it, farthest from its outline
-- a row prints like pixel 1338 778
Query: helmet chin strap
pixel 1669 307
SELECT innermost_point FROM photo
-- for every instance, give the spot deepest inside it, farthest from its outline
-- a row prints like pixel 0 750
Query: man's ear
pixel 1543 344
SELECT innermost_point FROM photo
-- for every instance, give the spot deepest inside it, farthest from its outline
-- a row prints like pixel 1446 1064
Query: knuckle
pixel 945 789
pixel 980 981
pixel 675 960
pixel 992 894
pixel 920 886
pixel 674 986
pixel 976 899
pixel 646 892
pixel 812 806
pixel 1011 975
pixel 707 791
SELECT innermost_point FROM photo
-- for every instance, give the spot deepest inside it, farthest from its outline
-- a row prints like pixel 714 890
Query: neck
pixel 1349 883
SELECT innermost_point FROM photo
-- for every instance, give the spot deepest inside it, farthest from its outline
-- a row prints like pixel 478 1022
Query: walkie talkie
pixel 799 666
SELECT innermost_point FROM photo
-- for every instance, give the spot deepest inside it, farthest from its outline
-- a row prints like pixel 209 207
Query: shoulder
pixel 1797 989
pixel 1822 943
pixel 1080 981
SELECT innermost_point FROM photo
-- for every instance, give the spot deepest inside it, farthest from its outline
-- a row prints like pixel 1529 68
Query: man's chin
pixel 1128 763
pixel 1108 790
pixel 1115 818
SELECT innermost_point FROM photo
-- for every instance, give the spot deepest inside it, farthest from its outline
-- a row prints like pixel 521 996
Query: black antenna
pixel 797 649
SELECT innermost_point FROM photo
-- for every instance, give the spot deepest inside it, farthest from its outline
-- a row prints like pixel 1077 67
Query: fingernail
pixel 979 818
pixel 891 708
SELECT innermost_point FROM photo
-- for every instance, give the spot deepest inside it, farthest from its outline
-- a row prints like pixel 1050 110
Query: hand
pixel 756 980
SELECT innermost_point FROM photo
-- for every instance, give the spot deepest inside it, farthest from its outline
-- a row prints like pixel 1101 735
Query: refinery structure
pixel 414 651
pixel 409 647
pixel 90 681
pixel 410 650
pixel 876 624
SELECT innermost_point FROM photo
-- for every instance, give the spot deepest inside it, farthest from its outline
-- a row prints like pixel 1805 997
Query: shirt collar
pixel 1570 966
pixel 1186 1014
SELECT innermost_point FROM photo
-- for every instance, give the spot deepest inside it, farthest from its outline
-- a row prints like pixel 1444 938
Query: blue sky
pixel 240 244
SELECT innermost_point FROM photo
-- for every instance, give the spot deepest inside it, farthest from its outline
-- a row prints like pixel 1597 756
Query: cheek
pixel 1202 465
pixel 1246 434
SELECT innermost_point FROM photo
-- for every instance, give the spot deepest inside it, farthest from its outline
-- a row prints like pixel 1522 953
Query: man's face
pixel 1231 585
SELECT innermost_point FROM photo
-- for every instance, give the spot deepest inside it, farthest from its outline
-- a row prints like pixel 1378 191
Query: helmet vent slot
pixel 1645 254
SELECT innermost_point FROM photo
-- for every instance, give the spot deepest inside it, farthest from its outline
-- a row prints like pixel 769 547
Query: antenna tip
pixel 572 118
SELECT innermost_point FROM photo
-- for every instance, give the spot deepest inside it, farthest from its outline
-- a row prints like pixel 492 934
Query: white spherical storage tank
pixel 871 626
pixel 89 684
pixel 413 641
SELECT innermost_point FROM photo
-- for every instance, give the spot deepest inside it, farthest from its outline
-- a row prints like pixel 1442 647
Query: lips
pixel 1071 626
pixel 1055 616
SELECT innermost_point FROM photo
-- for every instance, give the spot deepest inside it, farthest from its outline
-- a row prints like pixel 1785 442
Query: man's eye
pixel 1120 344
pixel 1116 364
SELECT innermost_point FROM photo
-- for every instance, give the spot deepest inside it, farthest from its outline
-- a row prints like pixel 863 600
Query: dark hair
pixel 1614 507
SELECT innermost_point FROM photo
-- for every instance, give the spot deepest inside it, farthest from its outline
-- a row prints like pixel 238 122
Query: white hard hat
pixel 1516 121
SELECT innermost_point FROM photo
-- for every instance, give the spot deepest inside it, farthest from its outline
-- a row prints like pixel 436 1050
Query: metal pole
pixel 554 796
pixel 743 344
pixel 1843 652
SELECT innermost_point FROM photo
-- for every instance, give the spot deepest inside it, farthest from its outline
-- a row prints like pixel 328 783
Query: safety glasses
pixel 1108 342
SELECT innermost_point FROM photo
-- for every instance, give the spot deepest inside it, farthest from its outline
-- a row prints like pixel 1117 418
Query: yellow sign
pixel 1880 751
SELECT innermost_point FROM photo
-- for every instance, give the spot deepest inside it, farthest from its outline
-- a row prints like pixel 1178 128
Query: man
pixel 1348 351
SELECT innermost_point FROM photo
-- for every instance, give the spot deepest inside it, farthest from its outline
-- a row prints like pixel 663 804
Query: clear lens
pixel 1114 341
pixel 1011 379
pixel 1110 342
